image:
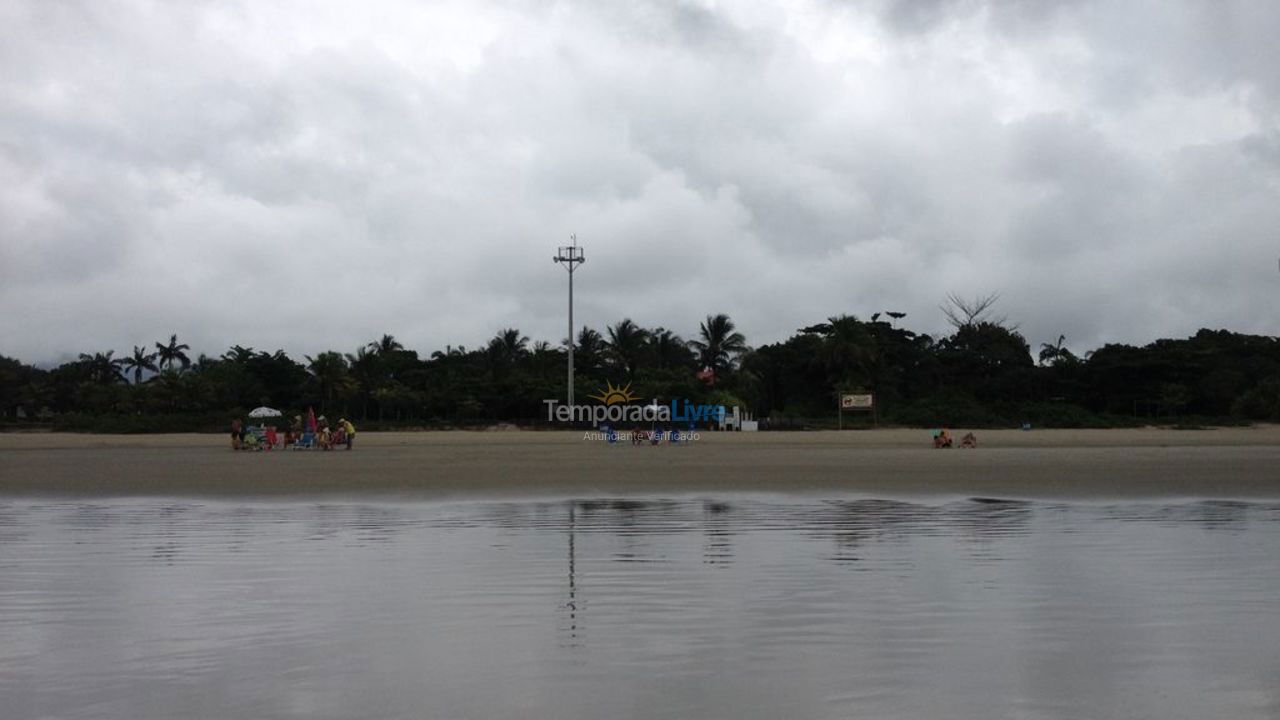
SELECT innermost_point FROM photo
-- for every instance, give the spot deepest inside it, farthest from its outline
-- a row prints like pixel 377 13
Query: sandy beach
pixel 1149 462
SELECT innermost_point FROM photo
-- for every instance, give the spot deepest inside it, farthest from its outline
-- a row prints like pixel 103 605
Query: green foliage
pixel 946 410
pixel 1261 402
pixel 141 423
pixel 725 398
pixel 718 344
pixel 982 374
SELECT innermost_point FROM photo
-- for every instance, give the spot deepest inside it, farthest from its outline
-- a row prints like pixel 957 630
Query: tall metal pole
pixel 571 330
pixel 571 257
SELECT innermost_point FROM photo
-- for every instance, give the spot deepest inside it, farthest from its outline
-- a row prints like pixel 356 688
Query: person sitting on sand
pixel 941 438
pixel 348 431
pixel 969 441
pixel 294 432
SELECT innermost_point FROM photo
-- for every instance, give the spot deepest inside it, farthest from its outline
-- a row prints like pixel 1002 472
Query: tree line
pixel 983 372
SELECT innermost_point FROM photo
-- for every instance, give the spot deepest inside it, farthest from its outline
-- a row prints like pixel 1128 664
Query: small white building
pixel 738 420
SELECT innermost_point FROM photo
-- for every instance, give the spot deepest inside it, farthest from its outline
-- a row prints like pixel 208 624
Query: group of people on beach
pixel 942 439
pixel 326 438
pixel 299 436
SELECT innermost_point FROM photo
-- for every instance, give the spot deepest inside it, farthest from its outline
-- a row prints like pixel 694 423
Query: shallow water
pixel 725 607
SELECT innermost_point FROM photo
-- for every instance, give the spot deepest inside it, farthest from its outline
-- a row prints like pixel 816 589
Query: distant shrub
pixel 962 411
pixel 141 423
pixel 945 410
pixel 1262 402
pixel 1064 415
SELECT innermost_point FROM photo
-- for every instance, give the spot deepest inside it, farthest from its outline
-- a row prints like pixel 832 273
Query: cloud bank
pixel 310 175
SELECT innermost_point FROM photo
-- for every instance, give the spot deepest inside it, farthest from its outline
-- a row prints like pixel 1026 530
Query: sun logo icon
pixel 612 395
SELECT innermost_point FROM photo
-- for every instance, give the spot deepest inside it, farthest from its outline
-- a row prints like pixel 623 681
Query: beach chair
pixel 306 441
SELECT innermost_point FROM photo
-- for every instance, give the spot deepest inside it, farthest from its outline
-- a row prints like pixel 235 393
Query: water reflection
pixel 718 546
pixel 572 604
pixel 736 606
pixel 1211 514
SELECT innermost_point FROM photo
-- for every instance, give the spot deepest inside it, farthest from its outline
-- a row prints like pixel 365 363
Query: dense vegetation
pixel 984 373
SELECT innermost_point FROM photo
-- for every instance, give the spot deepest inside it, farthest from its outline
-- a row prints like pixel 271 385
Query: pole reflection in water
pixel 572 604
pixel 719 547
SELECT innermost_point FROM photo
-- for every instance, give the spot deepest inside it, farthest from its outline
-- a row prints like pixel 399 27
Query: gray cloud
pixel 309 175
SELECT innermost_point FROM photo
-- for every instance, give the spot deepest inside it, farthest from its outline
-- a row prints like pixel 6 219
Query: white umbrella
pixel 264 412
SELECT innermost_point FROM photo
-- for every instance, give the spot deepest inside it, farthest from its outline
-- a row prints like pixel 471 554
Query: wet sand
pixel 1080 464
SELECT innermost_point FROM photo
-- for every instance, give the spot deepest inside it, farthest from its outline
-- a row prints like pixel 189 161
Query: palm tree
pixel 1056 354
pixel 626 343
pixel 364 369
pixel 546 358
pixel 238 354
pixel 588 352
pixel 848 350
pixel 330 371
pixel 103 368
pixel 718 344
pixel 363 360
pixel 388 359
pixel 182 391
pixel 508 346
pixel 669 349
pixel 141 360
pixel 385 346
pixel 173 352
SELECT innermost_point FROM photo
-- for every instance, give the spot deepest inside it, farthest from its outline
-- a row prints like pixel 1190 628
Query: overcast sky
pixel 309 175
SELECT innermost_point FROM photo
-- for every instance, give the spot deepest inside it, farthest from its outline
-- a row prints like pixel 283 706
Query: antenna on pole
pixel 570 256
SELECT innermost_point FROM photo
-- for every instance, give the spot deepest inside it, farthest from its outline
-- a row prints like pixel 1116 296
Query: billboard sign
pixel 857 402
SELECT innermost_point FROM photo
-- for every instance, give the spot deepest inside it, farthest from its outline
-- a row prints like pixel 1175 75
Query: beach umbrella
pixel 264 412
